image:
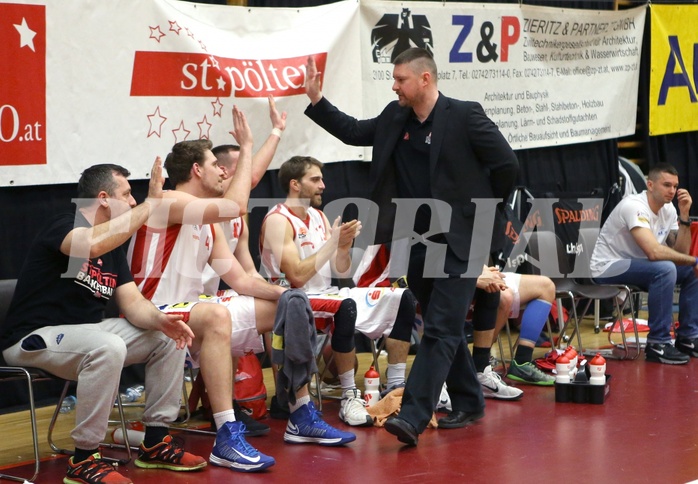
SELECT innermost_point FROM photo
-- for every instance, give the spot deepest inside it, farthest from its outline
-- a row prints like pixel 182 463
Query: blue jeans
pixel 658 278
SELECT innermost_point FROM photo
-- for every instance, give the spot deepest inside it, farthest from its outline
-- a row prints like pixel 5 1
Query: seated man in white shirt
pixel 645 243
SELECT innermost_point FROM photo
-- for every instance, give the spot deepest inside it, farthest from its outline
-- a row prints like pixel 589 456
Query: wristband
pixel 686 223
pixel 277 132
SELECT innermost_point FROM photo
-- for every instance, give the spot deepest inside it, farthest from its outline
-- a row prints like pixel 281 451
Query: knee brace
pixel 344 327
pixel 485 312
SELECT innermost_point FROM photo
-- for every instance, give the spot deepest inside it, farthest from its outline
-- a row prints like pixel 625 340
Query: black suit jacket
pixel 469 159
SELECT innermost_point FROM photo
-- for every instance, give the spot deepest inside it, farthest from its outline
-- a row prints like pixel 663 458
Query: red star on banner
pixel 156 33
pixel 217 107
pixel 174 26
pixel 214 61
pixel 204 125
pixel 203 47
pixel 180 132
pixel 156 128
pixel 189 32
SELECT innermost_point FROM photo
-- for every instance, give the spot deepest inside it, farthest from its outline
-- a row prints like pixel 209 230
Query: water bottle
pixel 597 369
pixel 562 367
pixel 68 404
pixel 573 356
pixel 372 382
pixel 132 394
pixel 135 437
pixel 281 280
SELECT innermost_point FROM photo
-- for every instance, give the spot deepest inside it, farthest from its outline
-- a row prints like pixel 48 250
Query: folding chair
pixel 121 422
pixel 188 372
pixel 544 242
pixel 31 376
pixel 625 298
pixel 500 345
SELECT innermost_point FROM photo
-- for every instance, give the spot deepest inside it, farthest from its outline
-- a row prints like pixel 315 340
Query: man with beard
pixel 298 241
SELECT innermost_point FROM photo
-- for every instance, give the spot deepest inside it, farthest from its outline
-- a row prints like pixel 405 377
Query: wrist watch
pixel 687 223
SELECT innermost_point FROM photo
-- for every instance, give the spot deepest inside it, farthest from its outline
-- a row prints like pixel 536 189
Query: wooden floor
pixel 646 431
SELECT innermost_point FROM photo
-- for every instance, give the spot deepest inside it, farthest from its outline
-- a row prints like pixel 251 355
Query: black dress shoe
pixel 458 419
pixel 403 430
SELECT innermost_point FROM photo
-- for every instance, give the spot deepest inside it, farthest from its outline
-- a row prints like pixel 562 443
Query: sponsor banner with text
pixel 121 82
pixel 546 76
pixel 674 69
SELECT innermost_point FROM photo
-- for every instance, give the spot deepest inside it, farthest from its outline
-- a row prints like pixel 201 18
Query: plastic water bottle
pixel 573 356
pixel 132 394
pixel 68 404
pixel 597 369
pixel 281 280
pixel 135 437
pixel 562 367
pixel 372 382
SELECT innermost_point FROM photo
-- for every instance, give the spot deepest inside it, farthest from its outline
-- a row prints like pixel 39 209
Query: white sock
pixel 223 417
pixel 395 374
pixel 299 403
pixel 346 379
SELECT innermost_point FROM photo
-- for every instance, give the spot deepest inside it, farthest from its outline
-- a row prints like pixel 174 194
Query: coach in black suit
pixel 429 146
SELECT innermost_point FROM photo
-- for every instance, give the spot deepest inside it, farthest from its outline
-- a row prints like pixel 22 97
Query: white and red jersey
pixel 308 235
pixel 231 230
pixel 374 267
pixel 376 307
pixel 167 264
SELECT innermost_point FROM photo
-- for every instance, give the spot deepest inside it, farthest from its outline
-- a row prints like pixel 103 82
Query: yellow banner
pixel 674 69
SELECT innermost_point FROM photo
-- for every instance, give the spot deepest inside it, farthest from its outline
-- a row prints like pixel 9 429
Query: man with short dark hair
pixel 236 233
pixel 298 241
pixel 429 146
pixel 645 243
pixel 168 262
pixel 167 258
pixel 56 323
pixel 305 423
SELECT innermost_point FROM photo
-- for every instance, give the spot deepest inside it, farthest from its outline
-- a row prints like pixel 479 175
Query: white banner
pixel 126 80
pixel 120 82
pixel 546 76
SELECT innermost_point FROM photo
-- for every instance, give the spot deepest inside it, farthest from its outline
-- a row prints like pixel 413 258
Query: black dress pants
pixel 443 353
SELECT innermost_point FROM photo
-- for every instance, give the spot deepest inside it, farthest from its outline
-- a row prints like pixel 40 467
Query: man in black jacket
pixel 429 146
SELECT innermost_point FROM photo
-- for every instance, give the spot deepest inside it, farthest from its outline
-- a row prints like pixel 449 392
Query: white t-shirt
pixel 615 241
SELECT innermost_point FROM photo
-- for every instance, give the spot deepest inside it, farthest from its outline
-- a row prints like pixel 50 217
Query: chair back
pixel 587 242
pixel 547 253
pixel 7 290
